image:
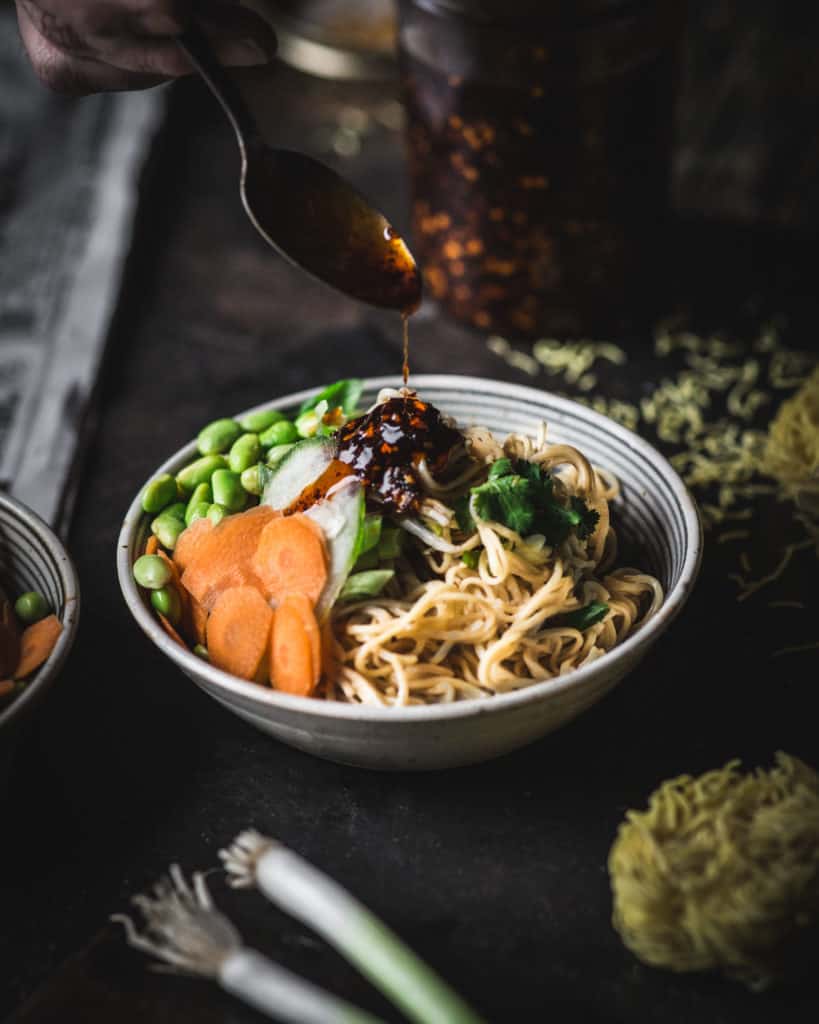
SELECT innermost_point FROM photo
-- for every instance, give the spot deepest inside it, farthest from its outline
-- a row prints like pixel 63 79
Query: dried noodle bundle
pixel 721 871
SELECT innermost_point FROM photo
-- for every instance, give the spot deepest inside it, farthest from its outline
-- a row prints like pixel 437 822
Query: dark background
pixel 496 873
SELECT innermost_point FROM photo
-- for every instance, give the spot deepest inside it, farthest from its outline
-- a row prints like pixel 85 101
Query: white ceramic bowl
pixel 33 558
pixel 656 510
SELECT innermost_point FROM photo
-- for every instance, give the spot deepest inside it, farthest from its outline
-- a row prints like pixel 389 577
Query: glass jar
pixel 539 139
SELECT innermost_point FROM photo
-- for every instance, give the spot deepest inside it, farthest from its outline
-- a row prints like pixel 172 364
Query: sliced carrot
pixel 223 555
pixel 9 638
pixel 151 545
pixel 291 558
pixel 291 652
pixel 239 633
pixel 36 644
pixel 329 659
pixel 199 620
pixel 172 633
pixel 189 542
pixel 304 607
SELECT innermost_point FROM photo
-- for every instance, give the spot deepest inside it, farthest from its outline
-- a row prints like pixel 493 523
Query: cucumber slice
pixel 304 463
pixel 341 517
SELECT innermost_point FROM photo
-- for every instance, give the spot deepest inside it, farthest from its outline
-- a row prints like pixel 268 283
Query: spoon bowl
pixel 307 212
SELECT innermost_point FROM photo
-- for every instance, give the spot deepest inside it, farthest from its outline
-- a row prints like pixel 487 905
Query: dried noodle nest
pixel 722 871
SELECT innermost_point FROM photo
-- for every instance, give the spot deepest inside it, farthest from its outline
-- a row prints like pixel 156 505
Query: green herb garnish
pixel 582 618
pixel 343 393
pixel 471 558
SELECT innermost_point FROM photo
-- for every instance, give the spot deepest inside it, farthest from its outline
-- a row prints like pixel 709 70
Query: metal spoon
pixel 306 211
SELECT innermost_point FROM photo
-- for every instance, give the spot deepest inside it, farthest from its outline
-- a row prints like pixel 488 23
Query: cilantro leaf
pixel 584 617
pixel 344 393
pixel 463 516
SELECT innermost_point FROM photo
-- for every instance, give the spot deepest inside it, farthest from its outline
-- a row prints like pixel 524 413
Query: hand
pixel 82 46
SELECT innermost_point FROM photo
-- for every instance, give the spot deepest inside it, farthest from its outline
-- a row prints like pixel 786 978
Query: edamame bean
pixel 275 455
pixel 201 652
pixel 177 510
pixel 201 495
pixel 197 511
pixel 245 451
pixel 228 490
pixel 152 572
pixel 250 480
pixel 256 422
pixel 31 607
pixel 216 513
pixel 199 472
pixel 166 528
pixel 283 432
pixel 217 436
pixel 166 602
pixel 158 494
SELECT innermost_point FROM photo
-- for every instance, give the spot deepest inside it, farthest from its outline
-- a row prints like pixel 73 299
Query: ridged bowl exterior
pixel 33 558
pixel 655 509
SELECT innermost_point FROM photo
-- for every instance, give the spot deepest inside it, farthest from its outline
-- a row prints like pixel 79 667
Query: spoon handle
pixel 196 47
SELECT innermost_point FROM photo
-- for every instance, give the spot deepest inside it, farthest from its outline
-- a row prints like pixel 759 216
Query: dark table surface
pixel 496 873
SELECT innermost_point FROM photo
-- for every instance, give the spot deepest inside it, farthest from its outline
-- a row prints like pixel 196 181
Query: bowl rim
pixel 69 581
pixel 641 639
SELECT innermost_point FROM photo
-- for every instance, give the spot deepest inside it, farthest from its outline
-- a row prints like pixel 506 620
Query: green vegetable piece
pixel 216 513
pixel 367 560
pixel 228 490
pixel 152 572
pixel 201 652
pixel 158 494
pixel 471 558
pixel 166 602
pixel 390 542
pixel 199 472
pixel 245 452
pixel 167 528
pixel 218 436
pixel 275 455
pixel 463 516
pixel 201 494
pixel 370 533
pixel 365 584
pixel 345 393
pixel 309 423
pixel 256 422
pixel 584 617
pixel 499 468
pixel 177 510
pixel 197 511
pixel 282 432
pixel 250 479
pixel 31 607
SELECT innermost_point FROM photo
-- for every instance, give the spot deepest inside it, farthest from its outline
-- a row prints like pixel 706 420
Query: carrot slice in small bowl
pixel 291 558
pixel 301 603
pixel 238 633
pixel 36 644
pixel 151 545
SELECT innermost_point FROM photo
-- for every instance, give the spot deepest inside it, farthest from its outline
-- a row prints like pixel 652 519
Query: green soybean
pixel 166 602
pixel 158 494
pixel 199 472
pixel 152 572
pixel 228 490
pixel 166 528
pixel 31 607
pixel 251 481
pixel 197 511
pixel 245 451
pixel 283 432
pixel 218 436
pixel 202 495
pixel 177 510
pixel 275 455
pixel 201 652
pixel 256 422
pixel 216 513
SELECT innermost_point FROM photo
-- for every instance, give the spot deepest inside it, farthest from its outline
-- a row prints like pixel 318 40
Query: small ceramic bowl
pixel 655 513
pixel 33 558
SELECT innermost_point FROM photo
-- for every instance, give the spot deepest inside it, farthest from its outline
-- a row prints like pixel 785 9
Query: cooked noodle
pixel 446 632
